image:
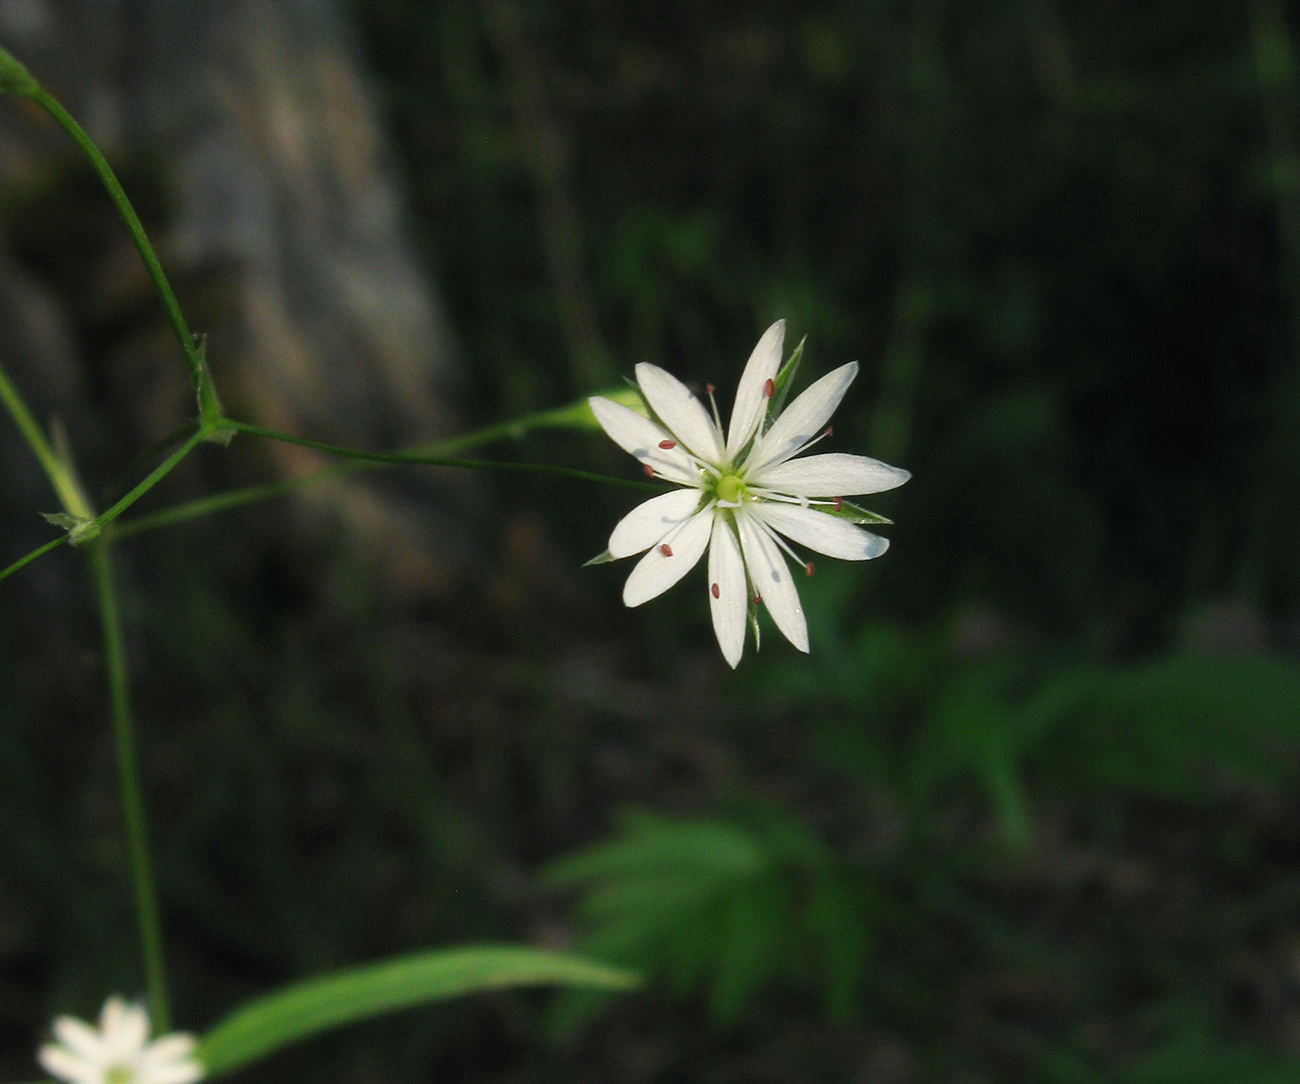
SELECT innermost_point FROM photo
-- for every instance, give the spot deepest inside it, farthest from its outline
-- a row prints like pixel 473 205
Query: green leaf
pixel 303 1009
pixel 14 77
pixel 600 559
pixel 732 906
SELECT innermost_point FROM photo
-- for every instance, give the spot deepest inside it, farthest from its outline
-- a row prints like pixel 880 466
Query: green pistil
pixel 729 488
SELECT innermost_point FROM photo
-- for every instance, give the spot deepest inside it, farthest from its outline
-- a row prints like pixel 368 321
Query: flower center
pixel 119 1074
pixel 729 489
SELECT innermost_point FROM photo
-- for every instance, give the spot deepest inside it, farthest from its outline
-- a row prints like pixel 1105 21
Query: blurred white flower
pixel 741 492
pixel 119 1051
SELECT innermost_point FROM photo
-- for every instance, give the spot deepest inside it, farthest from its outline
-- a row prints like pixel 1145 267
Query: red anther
pixel 839 504
pixel 808 568
pixel 769 389
pixel 649 470
pixel 708 389
pixel 758 599
pixel 668 445
pixel 666 550
pixel 716 592
pixel 829 430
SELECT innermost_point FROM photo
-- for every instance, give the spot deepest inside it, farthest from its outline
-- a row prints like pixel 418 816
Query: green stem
pixel 28 558
pixel 146 897
pixel 31 432
pixel 238 498
pixel 192 352
pixel 574 416
pixel 154 477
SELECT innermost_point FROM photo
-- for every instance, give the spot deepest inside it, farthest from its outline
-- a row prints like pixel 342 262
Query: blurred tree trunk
pixel 246 137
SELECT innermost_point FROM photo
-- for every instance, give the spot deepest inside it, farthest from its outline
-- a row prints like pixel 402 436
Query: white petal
pixel 680 411
pixel 728 592
pixel 833 474
pixel 803 419
pixel 751 392
pixel 656 572
pixel 772 580
pixel 640 436
pixel 111 1015
pixel 821 532
pixel 647 523
pixel 174 1047
pixel 80 1038
pixel 173 1072
pixel 125 1027
pixel 64 1064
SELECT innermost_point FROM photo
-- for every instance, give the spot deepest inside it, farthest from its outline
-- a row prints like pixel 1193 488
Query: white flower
pixel 741 491
pixel 119 1052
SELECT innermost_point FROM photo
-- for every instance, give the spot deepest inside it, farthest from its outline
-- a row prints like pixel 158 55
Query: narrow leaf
pixel 303 1009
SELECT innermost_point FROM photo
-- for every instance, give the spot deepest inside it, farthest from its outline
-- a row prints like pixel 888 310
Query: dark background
pixel 1029 809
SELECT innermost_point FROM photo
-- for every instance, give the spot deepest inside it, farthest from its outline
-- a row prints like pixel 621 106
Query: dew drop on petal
pixel 667 445
pixel 717 593
pixel 769 388
pixel 666 550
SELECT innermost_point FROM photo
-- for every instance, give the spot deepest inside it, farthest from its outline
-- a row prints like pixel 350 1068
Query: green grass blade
pixel 303 1009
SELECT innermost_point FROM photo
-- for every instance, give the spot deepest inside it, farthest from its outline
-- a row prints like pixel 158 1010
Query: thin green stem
pixel 27 559
pixel 238 498
pixel 31 432
pixel 153 477
pixel 146 897
pixel 431 457
pixel 224 502
pixel 192 352
pixel 574 416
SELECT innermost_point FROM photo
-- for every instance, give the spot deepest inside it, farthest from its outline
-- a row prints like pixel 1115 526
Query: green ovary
pixel 729 489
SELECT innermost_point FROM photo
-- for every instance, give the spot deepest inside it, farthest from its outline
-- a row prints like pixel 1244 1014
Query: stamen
pixel 717 418
pixel 701 465
pixel 666 550
pixel 808 568
pixel 839 504
pixel 649 470
pixel 717 593
pixel 769 388
pixel 804 447
pixel 829 431
pixel 758 599
pixel 781 542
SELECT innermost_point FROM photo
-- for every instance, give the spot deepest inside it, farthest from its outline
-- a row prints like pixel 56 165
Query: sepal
pixel 784 378
pixel 856 514
pixel 80 529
